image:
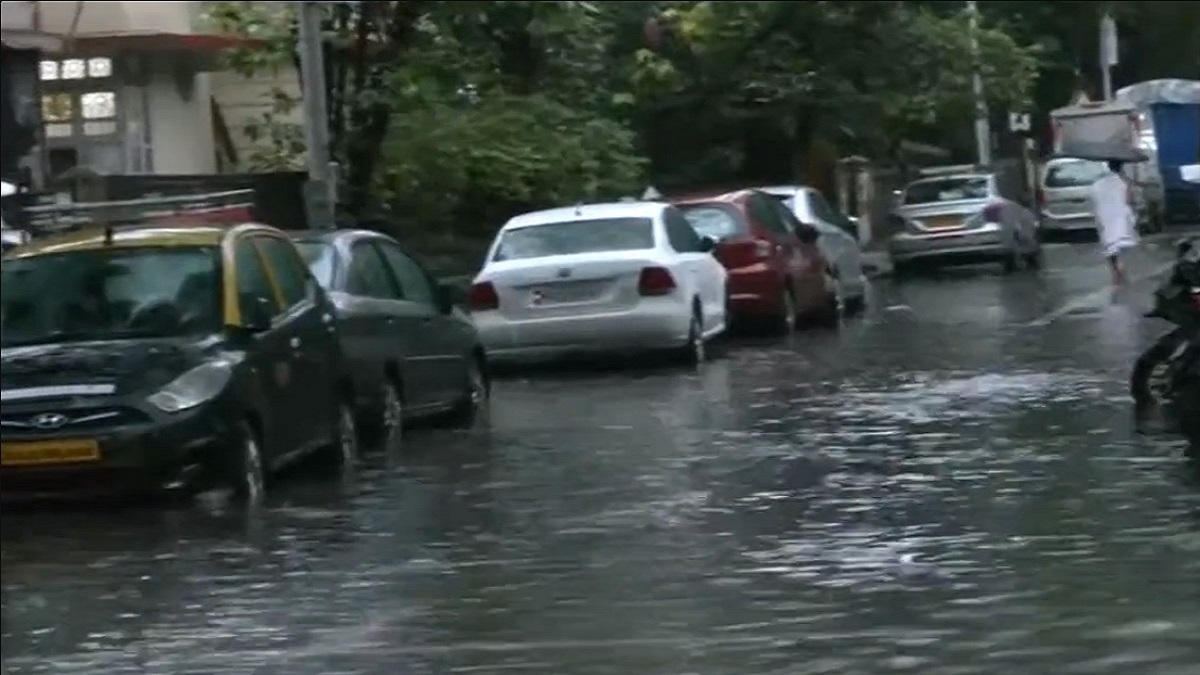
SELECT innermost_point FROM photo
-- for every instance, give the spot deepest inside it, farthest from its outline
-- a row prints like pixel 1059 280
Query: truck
pixel 1169 132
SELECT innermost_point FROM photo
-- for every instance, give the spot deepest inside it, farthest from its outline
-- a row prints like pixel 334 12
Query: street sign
pixel 1018 122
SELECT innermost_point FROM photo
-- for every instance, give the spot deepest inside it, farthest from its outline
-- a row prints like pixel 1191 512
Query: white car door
pixel 706 275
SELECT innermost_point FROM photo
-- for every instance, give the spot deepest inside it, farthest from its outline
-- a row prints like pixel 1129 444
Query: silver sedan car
pixel 962 216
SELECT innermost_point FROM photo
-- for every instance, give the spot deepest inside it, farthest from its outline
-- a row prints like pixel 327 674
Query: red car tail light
pixel 655 281
pixel 482 297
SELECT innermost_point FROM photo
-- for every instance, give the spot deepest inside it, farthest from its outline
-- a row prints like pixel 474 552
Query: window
pixel 252 281
pixel 368 276
pixel 680 234
pixel 98 67
pixel 765 211
pixel 289 271
pixel 576 236
pixel 821 209
pixel 414 282
pixel 1074 173
pixel 110 293
pixel 947 190
pixel 718 222
pixel 321 259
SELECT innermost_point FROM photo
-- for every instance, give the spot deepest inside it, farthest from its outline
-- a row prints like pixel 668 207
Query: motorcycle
pixel 1178 301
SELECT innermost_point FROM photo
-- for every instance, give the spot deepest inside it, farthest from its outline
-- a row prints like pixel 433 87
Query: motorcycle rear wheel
pixel 1142 385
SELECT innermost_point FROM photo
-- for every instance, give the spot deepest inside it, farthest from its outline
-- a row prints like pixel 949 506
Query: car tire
pixel 787 319
pixel 694 352
pixel 390 425
pixel 476 395
pixel 247 471
pixel 344 446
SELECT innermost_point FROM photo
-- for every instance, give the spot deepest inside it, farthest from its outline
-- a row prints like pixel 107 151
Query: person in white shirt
pixel 1112 204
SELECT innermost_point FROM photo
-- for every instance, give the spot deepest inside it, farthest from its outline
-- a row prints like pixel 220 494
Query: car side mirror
pixel 257 312
pixel 707 244
pixel 807 234
pixel 449 296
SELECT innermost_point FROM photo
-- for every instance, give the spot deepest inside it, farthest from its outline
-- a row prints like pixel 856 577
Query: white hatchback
pixel 630 276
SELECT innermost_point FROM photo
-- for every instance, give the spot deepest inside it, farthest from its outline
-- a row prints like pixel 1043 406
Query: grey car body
pixel 396 324
pixel 1064 200
pixel 968 216
pixel 837 243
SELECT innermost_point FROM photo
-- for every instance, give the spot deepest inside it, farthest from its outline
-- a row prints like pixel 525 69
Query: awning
pixel 106 27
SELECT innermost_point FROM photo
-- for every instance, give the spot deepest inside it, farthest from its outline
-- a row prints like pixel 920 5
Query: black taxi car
pixel 165 358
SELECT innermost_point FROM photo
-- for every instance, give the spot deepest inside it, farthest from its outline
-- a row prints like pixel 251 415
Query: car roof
pixel 782 190
pixel 329 236
pixel 586 212
pixel 950 176
pixel 716 198
pixel 95 237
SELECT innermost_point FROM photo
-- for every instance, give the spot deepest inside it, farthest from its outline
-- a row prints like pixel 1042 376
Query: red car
pixel 776 271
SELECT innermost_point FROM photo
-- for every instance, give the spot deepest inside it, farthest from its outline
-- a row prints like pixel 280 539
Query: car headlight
pixel 196 386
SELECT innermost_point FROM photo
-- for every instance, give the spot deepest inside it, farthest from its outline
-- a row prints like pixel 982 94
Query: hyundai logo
pixel 49 420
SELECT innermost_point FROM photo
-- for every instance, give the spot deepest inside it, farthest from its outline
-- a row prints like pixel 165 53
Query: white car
pixel 599 278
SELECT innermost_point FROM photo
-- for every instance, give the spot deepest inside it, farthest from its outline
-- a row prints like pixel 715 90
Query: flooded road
pixel 951 485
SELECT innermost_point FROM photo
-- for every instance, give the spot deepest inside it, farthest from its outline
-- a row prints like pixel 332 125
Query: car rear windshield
pixel 320 258
pixel 1079 173
pixel 946 190
pixel 718 222
pixel 110 293
pixel 576 236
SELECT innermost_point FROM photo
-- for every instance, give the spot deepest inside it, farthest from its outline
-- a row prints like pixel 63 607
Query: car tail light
pixel 991 213
pixel 482 297
pixel 655 281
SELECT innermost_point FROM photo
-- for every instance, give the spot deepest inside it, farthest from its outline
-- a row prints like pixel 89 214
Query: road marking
pixel 1095 298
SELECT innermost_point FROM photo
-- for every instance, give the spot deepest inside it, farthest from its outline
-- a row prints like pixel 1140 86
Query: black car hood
pixel 127 365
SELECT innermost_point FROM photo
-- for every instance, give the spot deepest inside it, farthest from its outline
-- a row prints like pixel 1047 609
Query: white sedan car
pixel 631 276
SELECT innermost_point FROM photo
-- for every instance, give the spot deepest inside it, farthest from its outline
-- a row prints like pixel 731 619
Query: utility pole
pixel 320 192
pixel 1108 51
pixel 983 131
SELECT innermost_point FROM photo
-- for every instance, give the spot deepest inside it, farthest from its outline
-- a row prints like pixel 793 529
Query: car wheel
pixel 477 391
pixel 694 352
pixel 391 413
pixel 248 473
pixel 786 320
pixel 345 439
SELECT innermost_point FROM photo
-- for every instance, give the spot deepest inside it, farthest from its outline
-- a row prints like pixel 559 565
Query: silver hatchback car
pixel 1064 196
pixel 961 215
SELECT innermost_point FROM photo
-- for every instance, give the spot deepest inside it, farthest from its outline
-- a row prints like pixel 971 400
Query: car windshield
pixel 713 221
pixel 1079 173
pixel 320 258
pixel 576 236
pixel 946 190
pixel 110 293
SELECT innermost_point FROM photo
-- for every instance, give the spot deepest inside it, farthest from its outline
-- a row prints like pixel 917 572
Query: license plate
pixel 567 292
pixel 35 453
pixel 943 223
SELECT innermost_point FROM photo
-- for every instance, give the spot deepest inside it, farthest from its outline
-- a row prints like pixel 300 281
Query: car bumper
pixel 754 292
pixel 170 453
pixel 1068 222
pixel 983 242
pixel 653 324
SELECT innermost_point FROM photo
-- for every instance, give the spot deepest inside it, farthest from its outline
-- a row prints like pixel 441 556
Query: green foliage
pixel 459 112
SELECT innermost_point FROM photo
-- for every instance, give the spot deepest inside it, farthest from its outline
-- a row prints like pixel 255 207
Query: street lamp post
pixel 983 132
pixel 320 191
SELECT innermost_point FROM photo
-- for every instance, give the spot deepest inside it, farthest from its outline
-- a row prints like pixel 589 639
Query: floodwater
pixel 950 485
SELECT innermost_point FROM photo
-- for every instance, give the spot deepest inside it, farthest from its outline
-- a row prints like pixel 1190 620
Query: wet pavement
pixel 952 484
